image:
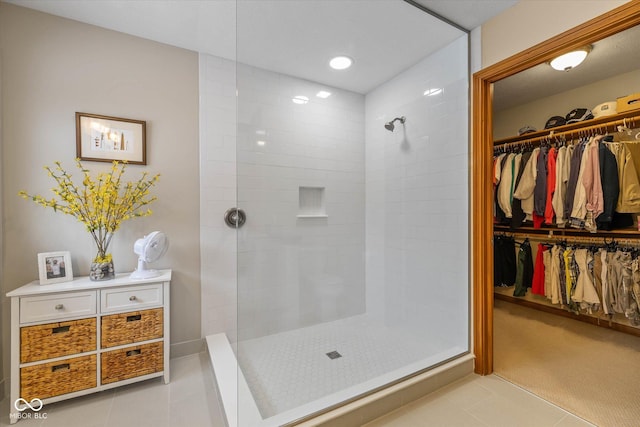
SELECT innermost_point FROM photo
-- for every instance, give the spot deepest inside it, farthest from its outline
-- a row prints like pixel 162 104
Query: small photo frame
pixel 105 139
pixel 55 267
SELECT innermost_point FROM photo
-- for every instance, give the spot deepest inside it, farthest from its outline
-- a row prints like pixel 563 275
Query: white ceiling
pixel 295 37
pixel 468 14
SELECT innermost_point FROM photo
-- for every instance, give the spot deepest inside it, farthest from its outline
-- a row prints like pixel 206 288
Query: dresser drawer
pixel 59 306
pixel 56 378
pixel 131 298
pixel 131 327
pixel 130 362
pixel 57 339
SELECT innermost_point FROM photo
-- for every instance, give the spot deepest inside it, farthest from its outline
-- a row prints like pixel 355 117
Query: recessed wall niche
pixel 311 202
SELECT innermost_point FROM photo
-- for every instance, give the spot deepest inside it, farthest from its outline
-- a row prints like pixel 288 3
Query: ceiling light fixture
pixel 340 62
pixel 323 94
pixel 300 99
pixel 261 143
pixel 570 60
pixel 431 92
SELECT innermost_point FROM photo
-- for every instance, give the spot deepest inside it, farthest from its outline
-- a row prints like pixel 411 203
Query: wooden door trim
pixel 614 21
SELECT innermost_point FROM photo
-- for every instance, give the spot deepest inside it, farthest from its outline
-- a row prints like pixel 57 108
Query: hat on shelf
pixel 578 115
pixel 605 109
pixel 526 129
pixel 554 122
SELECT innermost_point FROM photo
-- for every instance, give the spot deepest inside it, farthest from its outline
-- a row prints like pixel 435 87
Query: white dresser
pixel 79 337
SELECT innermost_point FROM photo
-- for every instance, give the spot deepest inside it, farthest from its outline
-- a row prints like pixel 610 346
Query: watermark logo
pixel 35 405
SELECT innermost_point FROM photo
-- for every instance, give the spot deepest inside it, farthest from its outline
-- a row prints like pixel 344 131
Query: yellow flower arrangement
pixel 101 204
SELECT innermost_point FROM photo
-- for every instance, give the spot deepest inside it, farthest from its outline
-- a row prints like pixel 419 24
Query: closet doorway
pixel 618 20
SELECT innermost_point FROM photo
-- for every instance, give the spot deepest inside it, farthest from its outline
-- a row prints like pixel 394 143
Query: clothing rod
pixel 576 239
pixel 604 127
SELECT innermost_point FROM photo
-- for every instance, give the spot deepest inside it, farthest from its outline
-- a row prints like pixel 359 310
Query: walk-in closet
pixel 566 231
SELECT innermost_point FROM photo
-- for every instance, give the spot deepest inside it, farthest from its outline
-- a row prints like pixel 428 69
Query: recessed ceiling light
pixel 323 94
pixel 300 99
pixel 570 60
pixel 433 91
pixel 341 62
pixel 260 143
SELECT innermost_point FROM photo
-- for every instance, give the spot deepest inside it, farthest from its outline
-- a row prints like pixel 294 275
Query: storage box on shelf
pixel 79 337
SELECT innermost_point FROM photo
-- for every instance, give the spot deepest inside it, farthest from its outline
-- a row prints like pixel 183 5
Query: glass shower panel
pixel 352 263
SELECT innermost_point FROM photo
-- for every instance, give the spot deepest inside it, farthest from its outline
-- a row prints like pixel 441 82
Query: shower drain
pixel 333 355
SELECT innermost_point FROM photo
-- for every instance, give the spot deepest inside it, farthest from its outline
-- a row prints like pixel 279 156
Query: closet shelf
pixel 555 231
pixel 617 323
pixel 609 123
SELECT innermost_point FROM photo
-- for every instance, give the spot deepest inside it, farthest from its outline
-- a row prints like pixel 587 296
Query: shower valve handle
pixel 235 218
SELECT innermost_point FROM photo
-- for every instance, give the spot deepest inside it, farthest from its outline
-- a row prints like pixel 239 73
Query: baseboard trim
pixel 186 348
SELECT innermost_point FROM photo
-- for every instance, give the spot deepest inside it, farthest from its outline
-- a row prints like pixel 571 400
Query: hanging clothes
pixel 554 293
pixel 610 186
pixel 579 210
pixel 629 196
pixel 517 214
pixel 560 191
pixel 563 276
pixel 524 190
pixel 574 171
pixel 571 274
pixel 504 187
pixel 635 291
pixel 551 185
pixel 585 292
pixel 591 179
pixel 546 261
pixel 537 286
pixel 596 276
pixel 540 189
pixel 499 215
pixel 592 183
pixel 604 277
pixel 524 274
pixel 504 266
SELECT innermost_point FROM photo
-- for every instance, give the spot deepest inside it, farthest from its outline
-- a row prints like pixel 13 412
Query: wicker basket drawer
pixel 56 378
pixel 57 339
pixel 132 327
pixel 135 361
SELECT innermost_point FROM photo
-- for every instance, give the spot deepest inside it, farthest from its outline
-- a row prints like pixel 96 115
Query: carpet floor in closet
pixel 587 370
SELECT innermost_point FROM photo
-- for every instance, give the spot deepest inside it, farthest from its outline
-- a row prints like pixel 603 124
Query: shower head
pixel 390 126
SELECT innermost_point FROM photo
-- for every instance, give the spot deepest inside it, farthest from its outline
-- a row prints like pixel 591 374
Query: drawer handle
pixel 60 329
pixel 59 306
pixel 134 318
pixel 132 298
pixel 63 367
pixel 133 352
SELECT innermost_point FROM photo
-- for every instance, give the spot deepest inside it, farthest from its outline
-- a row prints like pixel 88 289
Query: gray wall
pixel 53 67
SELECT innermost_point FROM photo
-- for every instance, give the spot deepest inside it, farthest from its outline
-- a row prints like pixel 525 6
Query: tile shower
pixel 356 238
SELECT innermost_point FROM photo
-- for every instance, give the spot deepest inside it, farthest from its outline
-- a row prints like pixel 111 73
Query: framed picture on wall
pixel 105 139
pixel 55 267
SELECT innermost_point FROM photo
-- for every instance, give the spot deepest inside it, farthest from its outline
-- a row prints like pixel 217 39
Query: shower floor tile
pixel 292 368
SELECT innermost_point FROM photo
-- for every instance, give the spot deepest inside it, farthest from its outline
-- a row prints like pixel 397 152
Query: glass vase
pixel 102 268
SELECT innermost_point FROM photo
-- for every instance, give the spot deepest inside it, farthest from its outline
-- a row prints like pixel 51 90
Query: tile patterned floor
pixel 190 401
pixel 289 369
pixel 483 402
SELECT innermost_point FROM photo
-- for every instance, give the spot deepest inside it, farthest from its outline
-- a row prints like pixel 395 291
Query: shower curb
pixel 232 386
